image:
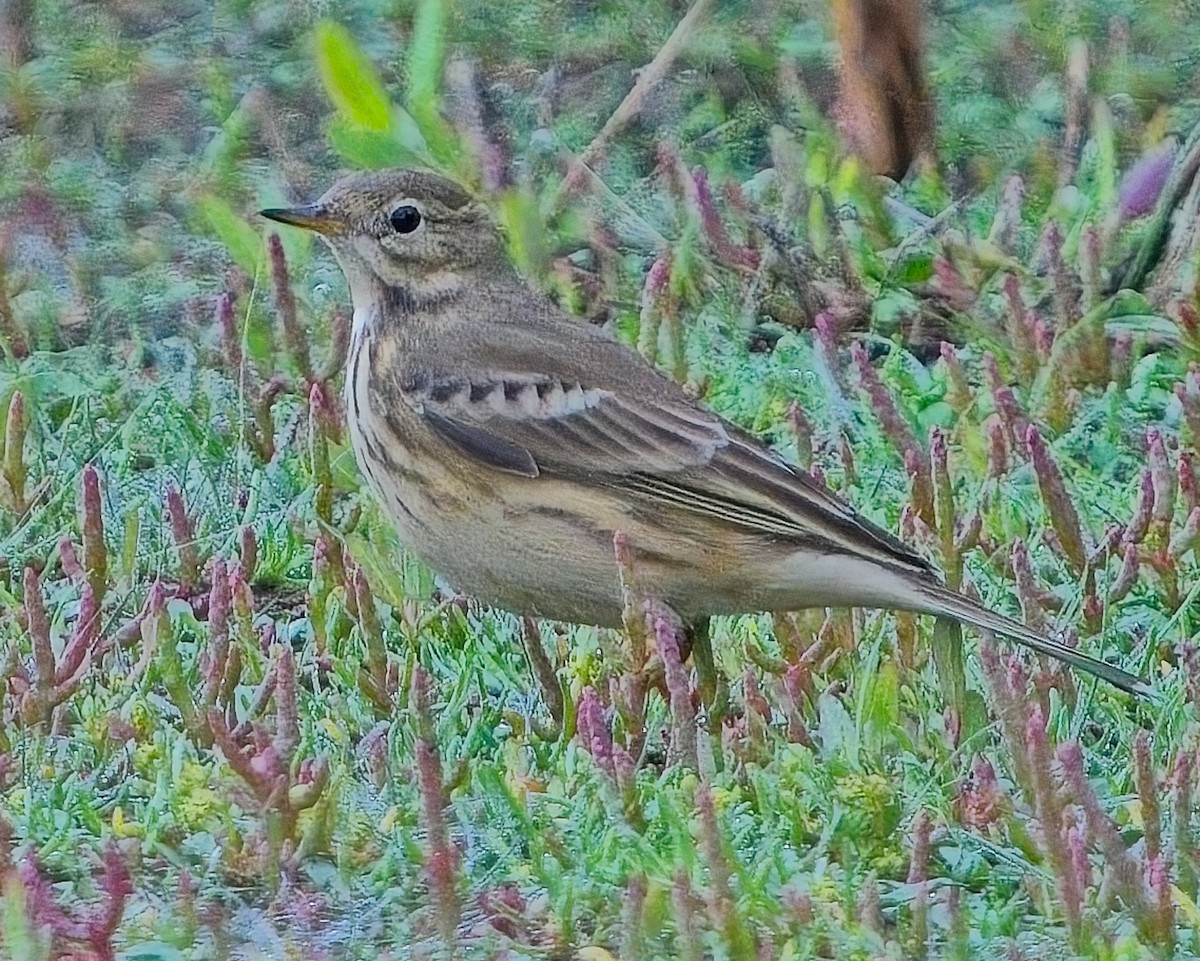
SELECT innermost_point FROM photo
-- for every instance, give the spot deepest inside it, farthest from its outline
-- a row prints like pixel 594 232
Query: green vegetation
pixel 237 721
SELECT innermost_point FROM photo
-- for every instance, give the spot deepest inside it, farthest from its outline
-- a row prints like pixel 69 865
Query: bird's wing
pixel 530 423
pixel 607 416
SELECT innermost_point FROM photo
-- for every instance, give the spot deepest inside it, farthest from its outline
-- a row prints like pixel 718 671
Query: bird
pixel 509 443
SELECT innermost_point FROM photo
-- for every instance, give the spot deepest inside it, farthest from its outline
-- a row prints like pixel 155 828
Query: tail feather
pixel 942 600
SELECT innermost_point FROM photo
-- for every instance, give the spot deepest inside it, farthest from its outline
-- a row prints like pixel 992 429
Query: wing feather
pixel 596 410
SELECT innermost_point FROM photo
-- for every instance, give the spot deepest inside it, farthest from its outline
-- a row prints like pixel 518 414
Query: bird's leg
pixel 698 640
pixel 714 692
pixel 695 640
pixel 543 671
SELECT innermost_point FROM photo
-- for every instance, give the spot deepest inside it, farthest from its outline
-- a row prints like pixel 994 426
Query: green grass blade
pixel 350 79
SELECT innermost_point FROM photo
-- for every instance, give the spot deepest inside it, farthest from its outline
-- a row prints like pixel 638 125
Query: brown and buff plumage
pixel 509 442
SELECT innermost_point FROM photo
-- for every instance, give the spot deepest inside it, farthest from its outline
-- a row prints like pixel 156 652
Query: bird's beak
pixel 310 217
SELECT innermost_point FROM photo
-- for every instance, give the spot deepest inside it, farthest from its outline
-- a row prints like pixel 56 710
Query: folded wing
pixel 632 428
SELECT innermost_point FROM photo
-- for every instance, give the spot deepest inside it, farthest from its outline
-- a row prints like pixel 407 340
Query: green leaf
pixel 1145 325
pixel 1104 138
pixel 937 414
pixel 408 135
pixel 917 269
pixel 223 153
pixel 426 53
pixel 21 938
pixel 951 671
pixel 838 732
pixel 366 149
pixel 426 58
pixel 242 240
pixel 518 215
pixel 880 714
pixel 259 340
pixel 350 79
pixel 401 144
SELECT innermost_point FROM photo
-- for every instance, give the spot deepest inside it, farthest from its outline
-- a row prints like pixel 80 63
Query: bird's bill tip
pixel 312 217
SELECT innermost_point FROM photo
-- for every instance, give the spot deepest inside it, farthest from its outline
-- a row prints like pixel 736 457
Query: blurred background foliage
pixel 132 131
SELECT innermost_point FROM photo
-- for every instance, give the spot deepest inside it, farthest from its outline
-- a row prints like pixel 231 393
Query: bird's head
pixel 400 229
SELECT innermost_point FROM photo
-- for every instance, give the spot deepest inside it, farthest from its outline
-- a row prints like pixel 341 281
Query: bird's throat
pixel 382 303
pixel 434 289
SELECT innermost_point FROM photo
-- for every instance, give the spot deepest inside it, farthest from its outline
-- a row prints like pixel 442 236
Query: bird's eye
pixel 405 219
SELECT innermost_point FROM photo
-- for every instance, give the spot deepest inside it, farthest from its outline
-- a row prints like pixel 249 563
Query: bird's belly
pixel 558 565
pixel 506 548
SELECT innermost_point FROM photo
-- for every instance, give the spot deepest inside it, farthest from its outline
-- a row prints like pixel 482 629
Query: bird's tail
pixel 942 600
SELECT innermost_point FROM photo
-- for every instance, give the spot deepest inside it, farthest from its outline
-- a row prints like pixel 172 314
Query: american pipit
pixel 509 442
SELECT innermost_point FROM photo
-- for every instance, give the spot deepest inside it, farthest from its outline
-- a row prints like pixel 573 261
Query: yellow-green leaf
pixel 426 51
pixel 426 60
pixel 365 149
pixel 349 77
pixel 402 144
pixel 242 240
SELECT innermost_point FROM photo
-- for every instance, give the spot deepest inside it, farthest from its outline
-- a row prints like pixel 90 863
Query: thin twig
pixel 650 77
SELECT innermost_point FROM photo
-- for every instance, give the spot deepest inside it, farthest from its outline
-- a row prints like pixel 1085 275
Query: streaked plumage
pixel 509 442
